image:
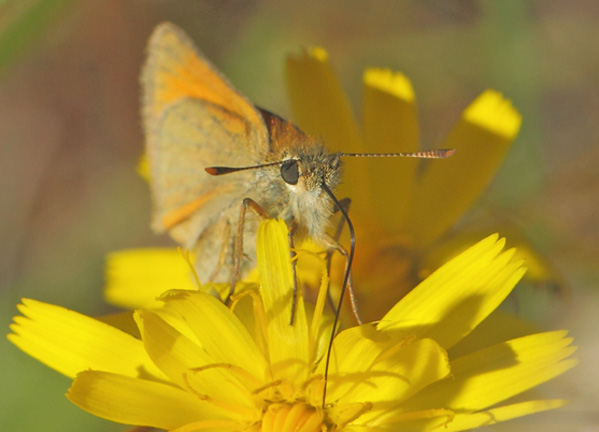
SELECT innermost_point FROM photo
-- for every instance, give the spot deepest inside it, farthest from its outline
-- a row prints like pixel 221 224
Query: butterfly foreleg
pixel 224 252
pixel 345 203
pixel 248 203
pixel 334 246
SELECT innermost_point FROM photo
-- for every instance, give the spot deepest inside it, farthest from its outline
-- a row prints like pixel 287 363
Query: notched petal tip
pixel 318 53
pixel 310 54
pixel 391 82
pixel 494 112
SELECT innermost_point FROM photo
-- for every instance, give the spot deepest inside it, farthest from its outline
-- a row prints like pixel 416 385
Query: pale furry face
pixel 304 175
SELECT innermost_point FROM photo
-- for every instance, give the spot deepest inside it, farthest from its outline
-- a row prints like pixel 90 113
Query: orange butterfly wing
pixel 194 118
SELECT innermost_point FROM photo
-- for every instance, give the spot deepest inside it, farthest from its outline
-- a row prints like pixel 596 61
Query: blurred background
pixel 70 138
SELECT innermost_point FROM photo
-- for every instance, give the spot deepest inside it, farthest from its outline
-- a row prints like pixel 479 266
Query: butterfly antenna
pixel 220 170
pixel 350 259
pixel 425 154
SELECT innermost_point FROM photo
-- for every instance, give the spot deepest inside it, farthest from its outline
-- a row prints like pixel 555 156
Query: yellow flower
pixel 200 366
pixel 408 209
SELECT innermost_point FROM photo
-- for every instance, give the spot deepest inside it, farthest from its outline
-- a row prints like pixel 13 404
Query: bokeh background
pixel 70 139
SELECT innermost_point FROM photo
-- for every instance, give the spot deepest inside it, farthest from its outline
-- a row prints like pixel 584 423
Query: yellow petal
pixel 498 327
pixel 297 417
pixel 170 350
pixel 445 420
pixel 70 342
pixel 322 110
pixel 137 402
pixel 123 321
pixel 190 366
pixel 452 301
pixel 372 366
pixel 312 274
pixel 344 413
pixel 211 425
pixel 218 330
pixel 450 186
pixel 136 277
pixel 390 125
pixel 503 413
pixel 492 375
pixel 288 345
pixel 538 269
pixel 318 101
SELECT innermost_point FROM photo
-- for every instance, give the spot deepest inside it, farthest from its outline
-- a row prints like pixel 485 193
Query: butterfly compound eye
pixel 290 172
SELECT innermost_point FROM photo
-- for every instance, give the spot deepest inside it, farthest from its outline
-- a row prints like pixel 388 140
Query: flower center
pixel 297 417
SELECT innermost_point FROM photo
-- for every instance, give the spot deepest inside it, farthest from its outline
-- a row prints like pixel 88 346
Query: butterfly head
pixel 304 173
pixel 308 170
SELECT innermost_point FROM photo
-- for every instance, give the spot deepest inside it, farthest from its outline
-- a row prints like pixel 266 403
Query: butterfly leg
pixel 335 246
pixel 345 203
pixel 248 203
pixel 224 252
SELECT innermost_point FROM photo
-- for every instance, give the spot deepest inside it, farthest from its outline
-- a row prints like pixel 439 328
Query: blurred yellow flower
pixel 135 278
pixel 201 366
pixel 408 209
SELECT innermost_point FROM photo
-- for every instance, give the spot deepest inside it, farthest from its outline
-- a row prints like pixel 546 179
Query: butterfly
pixel 198 128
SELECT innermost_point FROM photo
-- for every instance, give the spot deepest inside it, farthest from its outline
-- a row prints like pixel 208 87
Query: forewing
pixel 193 135
pixel 175 69
pixel 194 118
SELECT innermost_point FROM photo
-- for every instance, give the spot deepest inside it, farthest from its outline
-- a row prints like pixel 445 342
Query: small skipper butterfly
pixel 198 128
